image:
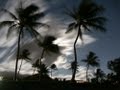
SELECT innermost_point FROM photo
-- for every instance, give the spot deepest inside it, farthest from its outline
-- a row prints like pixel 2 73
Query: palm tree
pixel 91 60
pixel 24 56
pixel 53 67
pixel 100 75
pixel 42 69
pixel 48 46
pixel 25 18
pixel 73 65
pixel 114 66
pixel 87 16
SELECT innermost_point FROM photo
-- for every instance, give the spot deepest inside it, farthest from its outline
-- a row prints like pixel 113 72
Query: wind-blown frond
pixel 11 14
pixel 30 9
pixel 96 27
pixel 53 48
pixel 33 32
pixel 11 29
pixel 36 16
pixel 6 23
pixel 71 27
pixel 38 25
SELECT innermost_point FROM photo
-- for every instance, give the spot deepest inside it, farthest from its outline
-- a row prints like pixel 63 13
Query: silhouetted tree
pixel 53 67
pixel 99 75
pixel 25 18
pixel 48 46
pixel 88 15
pixel 24 56
pixel 91 60
pixel 73 65
pixel 41 68
pixel 114 66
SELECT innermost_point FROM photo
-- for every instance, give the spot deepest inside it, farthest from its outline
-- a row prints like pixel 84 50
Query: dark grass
pixel 54 85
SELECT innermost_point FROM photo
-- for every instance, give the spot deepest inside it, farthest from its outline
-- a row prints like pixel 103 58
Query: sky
pixel 105 45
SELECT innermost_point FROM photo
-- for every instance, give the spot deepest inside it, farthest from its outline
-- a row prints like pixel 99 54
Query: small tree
pixel 53 67
pixel 91 60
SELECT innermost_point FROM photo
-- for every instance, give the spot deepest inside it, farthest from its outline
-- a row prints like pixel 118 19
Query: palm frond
pixel 36 16
pixel 54 48
pixel 6 23
pixel 38 25
pixel 71 27
pixel 33 32
pixel 11 29
pixel 71 13
pixel 30 9
pixel 11 14
pixel 48 40
pixel 81 35
pixel 86 28
pixel 96 27
pixel 97 20
pixel 88 9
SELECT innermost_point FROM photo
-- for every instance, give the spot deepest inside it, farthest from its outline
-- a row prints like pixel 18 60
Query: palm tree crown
pixel 87 15
pixel 92 59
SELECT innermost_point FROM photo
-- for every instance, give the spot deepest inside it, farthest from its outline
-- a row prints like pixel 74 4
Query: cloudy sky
pixel 105 45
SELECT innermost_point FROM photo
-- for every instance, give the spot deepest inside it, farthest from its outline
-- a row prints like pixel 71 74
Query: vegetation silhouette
pixel 48 46
pixel 114 66
pixel 53 67
pixel 24 56
pixel 91 60
pixel 88 16
pixel 25 19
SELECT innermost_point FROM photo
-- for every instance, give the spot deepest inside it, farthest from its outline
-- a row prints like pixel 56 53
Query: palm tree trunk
pixel 87 79
pixel 75 55
pixel 20 66
pixel 40 63
pixel 17 58
pixel 51 73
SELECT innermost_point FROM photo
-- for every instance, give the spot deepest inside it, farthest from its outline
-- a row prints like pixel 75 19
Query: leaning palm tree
pixel 25 18
pixel 91 60
pixel 48 46
pixel 87 16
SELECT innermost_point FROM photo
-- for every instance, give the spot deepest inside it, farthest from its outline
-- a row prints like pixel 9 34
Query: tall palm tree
pixel 25 18
pixel 53 67
pixel 24 56
pixel 91 60
pixel 48 46
pixel 88 15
